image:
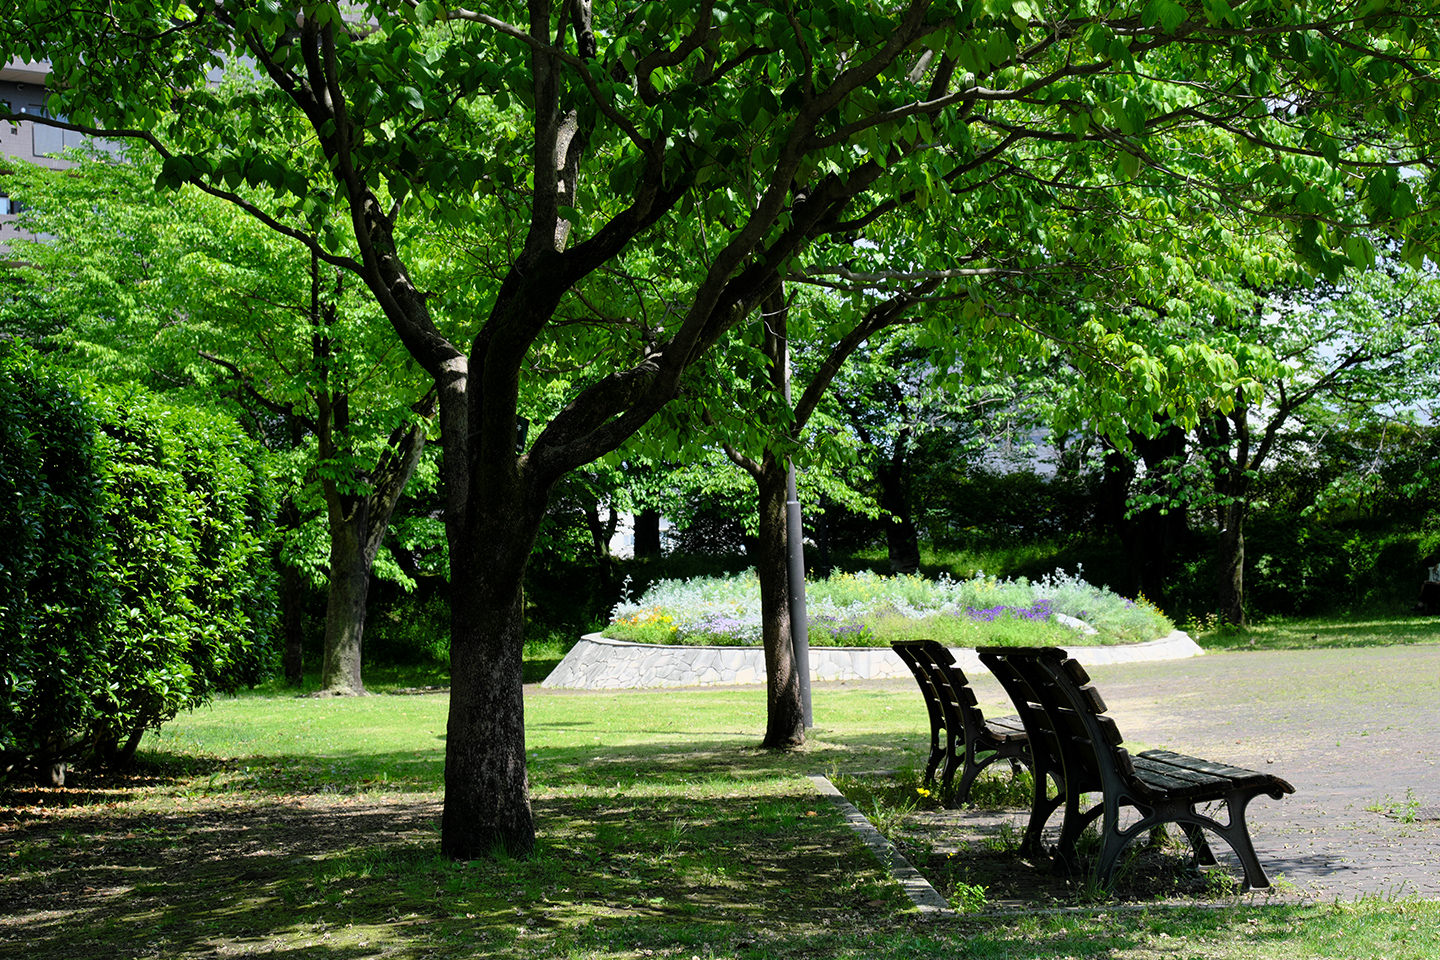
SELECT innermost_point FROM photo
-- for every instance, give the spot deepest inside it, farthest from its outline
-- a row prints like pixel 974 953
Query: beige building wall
pixel 22 88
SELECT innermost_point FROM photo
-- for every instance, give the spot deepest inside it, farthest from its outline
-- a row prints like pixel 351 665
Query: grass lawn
pixel 1310 633
pixel 307 828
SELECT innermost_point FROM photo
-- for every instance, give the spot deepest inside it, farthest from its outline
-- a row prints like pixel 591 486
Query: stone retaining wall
pixel 599 663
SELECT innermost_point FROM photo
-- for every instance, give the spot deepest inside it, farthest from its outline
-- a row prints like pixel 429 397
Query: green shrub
pixel 56 590
pixel 190 519
pixel 136 576
pixel 977 506
pixel 1306 569
pixel 408 631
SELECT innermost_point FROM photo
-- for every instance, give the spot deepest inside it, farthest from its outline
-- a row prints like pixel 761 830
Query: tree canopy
pixel 187 295
pixel 1145 145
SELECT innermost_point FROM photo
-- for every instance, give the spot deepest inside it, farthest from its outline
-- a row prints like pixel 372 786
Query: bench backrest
pixel 1062 712
pixel 944 684
pixel 909 656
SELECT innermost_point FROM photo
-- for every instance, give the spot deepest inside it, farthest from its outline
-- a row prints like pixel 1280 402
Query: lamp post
pixel 799 625
pixel 795 543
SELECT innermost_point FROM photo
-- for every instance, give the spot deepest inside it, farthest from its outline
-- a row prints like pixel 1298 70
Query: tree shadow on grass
pixel 96 786
pixel 344 877
pixel 340 878
pixel 678 759
pixel 681 847
pixel 740 758
pixel 307 856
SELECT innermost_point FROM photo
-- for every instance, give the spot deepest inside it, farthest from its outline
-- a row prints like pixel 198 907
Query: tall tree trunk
pixel 357 523
pixel 902 544
pixel 1149 537
pixel 340 671
pixel 292 623
pixel 487 792
pixel 647 533
pixel 1158 531
pixel 785 716
pixel 1231 592
pixel 901 539
pixel 1228 439
pixel 602 531
pixel 821 531
pixel 290 592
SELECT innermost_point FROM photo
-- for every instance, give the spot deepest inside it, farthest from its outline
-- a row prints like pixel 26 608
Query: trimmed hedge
pixel 57 591
pixel 138 582
pixel 190 518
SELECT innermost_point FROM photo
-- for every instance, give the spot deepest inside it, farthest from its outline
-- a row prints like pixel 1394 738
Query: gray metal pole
pixel 795 538
pixel 799 622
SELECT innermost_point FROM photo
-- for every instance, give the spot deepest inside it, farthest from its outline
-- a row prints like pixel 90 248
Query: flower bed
pixel 865 609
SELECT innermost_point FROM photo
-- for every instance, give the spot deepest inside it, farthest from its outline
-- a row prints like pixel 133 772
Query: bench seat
pixel 1076 747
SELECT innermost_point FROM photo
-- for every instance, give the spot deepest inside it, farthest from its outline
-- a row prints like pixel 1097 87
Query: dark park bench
pixel 959 733
pixel 1075 745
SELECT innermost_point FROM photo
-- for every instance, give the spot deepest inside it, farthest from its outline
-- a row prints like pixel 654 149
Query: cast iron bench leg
pixel 936 755
pixel 1041 807
pixel 1203 854
pixel 1237 834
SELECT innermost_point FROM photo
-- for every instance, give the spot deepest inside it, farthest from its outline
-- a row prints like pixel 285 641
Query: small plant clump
pixel 1406 811
pixel 866 609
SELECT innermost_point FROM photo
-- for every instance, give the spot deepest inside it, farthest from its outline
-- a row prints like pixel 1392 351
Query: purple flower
pixel 836 627
pixel 1039 611
pixel 720 623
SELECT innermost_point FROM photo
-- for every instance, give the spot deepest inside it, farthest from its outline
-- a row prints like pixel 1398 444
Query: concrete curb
pixel 926 898
pixel 599 663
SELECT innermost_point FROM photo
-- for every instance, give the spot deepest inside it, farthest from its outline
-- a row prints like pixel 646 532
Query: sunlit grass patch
pixel 1305 633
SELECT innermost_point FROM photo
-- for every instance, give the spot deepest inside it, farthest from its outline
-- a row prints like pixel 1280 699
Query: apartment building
pixel 22 91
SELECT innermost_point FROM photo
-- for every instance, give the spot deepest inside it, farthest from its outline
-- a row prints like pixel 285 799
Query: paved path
pixel 1350 729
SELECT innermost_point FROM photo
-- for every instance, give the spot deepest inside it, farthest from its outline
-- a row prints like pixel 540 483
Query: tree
pixel 741 144
pixel 182 292
pixel 1151 532
pixel 1345 356
pixel 782 422
pixel 919 431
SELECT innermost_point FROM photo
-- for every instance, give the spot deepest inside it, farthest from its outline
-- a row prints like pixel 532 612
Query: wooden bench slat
pixel 1204 766
pixel 1239 776
pixel 1159 768
pixel 959 732
pixel 1009 725
pixel 1178 781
